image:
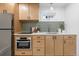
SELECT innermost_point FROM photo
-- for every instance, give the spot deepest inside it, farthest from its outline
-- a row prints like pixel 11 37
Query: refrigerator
pixel 5 34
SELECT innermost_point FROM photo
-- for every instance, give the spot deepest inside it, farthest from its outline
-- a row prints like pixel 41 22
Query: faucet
pixel 48 29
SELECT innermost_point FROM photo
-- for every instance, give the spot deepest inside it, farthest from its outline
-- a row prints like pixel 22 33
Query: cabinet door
pixel 58 45
pixel 49 46
pixel 34 11
pixel 23 12
pixel 69 45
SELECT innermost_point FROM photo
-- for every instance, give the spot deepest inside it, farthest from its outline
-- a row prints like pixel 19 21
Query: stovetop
pixel 25 33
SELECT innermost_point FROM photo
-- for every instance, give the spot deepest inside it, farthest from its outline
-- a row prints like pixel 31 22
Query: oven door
pixel 23 44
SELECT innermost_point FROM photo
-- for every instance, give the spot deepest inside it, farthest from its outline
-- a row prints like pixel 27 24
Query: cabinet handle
pixel 64 41
pixel 69 37
pixel 38 37
pixel 54 37
pixel 38 41
pixel 38 49
pixel 23 53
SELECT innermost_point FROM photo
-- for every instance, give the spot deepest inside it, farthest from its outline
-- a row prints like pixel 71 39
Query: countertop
pixel 46 33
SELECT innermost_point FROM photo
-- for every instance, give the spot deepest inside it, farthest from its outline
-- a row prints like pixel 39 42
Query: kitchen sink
pixel 40 33
pixel 45 33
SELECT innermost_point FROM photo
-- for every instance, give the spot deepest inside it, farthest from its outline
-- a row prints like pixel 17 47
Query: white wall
pixel 72 21
pixel 58 16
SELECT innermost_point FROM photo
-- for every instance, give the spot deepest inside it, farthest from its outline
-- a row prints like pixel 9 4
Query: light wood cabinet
pixel 54 45
pixel 8 7
pixel 17 24
pixel 49 46
pixel 29 11
pixel 38 51
pixel 38 45
pixel 58 45
pixel 34 11
pixel 70 45
pixel 23 12
pixel 23 53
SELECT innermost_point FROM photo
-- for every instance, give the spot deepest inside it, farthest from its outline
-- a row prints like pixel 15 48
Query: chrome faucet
pixel 48 29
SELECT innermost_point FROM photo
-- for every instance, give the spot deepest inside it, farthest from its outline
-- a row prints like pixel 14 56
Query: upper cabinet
pixel 29 11
pixel 34 11
pixel 23 11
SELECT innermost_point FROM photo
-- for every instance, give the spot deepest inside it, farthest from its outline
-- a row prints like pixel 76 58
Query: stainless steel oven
pixel 23 43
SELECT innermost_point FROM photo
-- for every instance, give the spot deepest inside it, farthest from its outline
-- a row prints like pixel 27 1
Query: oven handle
pixel 23 41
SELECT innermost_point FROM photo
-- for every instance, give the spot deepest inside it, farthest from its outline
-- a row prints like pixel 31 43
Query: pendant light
pixel 51 7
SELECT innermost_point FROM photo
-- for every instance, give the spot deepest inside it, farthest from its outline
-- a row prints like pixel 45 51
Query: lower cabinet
pixel 38 45
pixel 61 45
pixel 38 51
pixel 49 49
pixel 58 45
pixel 54 45
pixel 69 45
pixel 23 53
pixel 51 45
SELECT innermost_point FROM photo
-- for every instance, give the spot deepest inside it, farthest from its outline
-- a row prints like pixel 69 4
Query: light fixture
pixel 51 7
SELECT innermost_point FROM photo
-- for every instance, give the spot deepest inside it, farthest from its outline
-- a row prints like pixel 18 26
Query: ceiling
pixel 55 5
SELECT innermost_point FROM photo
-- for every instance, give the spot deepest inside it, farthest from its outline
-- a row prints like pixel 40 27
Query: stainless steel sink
pixel 40 33
pixel 45 33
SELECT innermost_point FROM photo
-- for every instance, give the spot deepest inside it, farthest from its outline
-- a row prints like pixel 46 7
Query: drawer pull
pixel 69 37
pixel 38 49
pixel 38 41
pixel 38 37
pixel 54 37
pixel 64 41
pixel 23 53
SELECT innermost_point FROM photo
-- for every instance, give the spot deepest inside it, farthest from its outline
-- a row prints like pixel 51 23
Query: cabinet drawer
pixel 38 43
pixel 38 37
pixel 38 51
pixel 23 53
pixel 69 36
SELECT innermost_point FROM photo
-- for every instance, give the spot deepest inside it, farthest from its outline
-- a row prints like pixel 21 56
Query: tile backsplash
pixel 44 26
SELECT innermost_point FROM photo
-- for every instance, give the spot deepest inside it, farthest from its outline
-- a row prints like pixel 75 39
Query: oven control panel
pixel 23 38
